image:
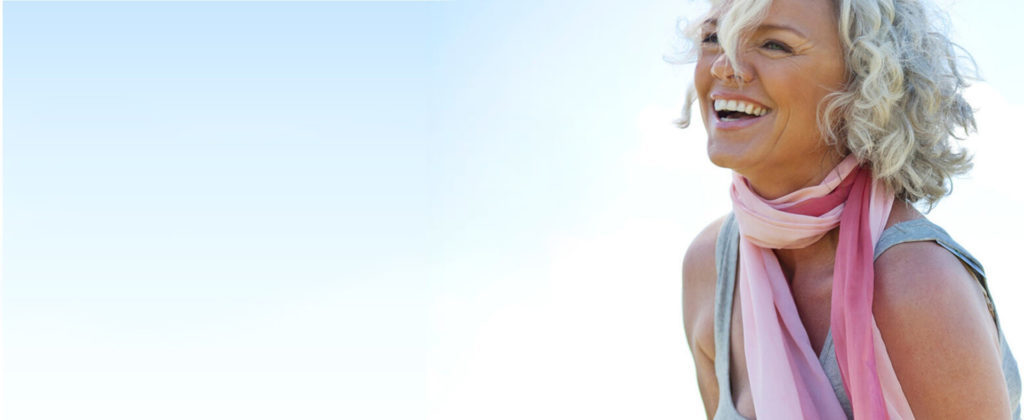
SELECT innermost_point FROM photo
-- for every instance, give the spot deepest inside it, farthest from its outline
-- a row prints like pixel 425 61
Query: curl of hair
pixel 903 104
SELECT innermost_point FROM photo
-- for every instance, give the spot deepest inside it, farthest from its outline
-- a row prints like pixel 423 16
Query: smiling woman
pixel 825 293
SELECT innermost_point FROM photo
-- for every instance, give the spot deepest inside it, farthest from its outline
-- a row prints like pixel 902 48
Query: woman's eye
pixel 776 46
pixel 711 38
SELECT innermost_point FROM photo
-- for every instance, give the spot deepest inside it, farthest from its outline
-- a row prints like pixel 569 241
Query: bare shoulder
pixel 699 276
pixel 938 333
pixel 916 273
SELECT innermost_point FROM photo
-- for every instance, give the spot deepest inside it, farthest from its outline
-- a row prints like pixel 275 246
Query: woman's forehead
pixel 800 16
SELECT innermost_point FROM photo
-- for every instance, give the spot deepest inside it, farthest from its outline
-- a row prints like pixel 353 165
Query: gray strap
pixel 919 230
pixel 726 252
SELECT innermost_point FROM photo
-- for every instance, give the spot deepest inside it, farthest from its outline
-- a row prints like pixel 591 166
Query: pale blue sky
pixel 373 210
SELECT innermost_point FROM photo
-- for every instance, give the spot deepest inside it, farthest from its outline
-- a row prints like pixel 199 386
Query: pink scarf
pixel 787 380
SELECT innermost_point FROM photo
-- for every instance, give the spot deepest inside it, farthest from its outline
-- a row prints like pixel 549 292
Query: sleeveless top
pixel 726 251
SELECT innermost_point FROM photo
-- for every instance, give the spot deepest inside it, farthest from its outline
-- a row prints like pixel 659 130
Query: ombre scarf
pixel 787 380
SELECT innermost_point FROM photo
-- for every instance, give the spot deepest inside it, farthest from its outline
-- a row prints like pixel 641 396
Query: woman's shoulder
pixel 699 276
pixel 918 270
pixel 916 280
pixel 937 329
pixel 702 248
pixel 922 277
pixel 699 272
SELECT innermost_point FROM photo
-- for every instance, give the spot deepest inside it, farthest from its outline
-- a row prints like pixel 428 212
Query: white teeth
pixel 739 106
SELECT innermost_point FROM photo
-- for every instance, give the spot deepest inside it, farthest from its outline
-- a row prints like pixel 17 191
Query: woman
pixel 826 294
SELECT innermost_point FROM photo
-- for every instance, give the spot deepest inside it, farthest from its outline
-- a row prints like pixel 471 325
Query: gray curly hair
pixel 903 103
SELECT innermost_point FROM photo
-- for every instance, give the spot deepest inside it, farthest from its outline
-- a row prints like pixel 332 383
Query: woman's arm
pixel 939 334
pixel 699 277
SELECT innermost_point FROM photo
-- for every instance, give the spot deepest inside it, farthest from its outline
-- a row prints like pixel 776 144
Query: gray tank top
pixel 726 251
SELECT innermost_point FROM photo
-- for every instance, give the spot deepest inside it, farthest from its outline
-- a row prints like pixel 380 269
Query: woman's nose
pixel 722 70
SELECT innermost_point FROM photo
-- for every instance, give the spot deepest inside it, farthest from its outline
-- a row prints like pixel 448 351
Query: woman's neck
pixel 771 183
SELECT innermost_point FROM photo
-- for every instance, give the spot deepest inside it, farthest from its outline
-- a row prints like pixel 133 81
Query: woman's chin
pixel 725 159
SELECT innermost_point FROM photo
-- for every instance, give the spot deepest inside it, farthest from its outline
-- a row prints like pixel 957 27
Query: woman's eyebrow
pixel 780 27
pixel 763 27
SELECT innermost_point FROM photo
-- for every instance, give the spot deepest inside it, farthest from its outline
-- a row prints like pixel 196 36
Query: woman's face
pixel 766 128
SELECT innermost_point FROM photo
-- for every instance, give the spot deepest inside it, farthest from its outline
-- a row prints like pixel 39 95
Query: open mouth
pixel 733 110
